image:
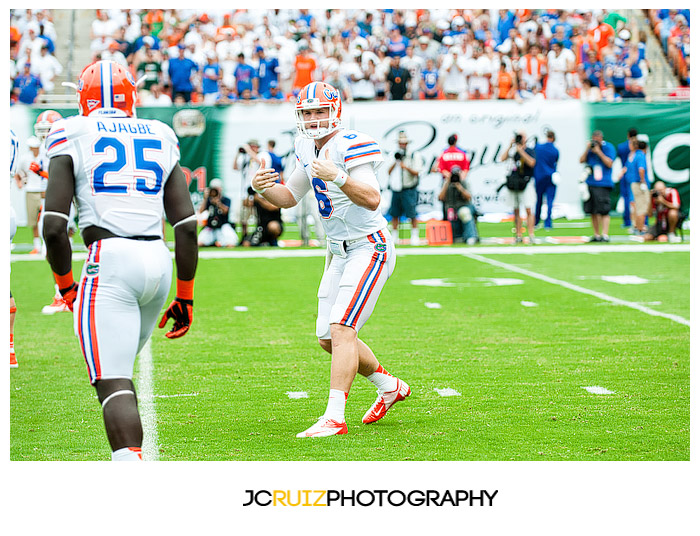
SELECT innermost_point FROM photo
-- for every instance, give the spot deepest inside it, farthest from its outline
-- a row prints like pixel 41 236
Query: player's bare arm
pixel 180 213
pixel 358 192
pixel 265 184
pixel 59 194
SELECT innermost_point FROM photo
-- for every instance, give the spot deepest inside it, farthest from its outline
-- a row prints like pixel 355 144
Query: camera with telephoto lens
pixel 654 194
pixel 213 192
pixel 594 144
pixel 398 155
pixel 241 150
pixel 454 174
pixel 518 138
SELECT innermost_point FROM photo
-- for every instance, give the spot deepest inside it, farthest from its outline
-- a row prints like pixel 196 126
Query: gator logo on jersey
pixel 92 269
pixel 379 247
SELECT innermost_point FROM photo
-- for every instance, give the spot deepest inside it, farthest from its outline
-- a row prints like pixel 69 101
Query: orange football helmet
pixel 44 122
pixel 106 84
pixel 313 96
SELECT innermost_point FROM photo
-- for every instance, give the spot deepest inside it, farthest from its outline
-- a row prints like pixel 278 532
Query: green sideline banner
pixel 210 136
pixel 667 126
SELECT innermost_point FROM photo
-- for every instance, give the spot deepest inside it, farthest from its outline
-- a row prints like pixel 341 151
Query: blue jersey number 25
pixel 119 161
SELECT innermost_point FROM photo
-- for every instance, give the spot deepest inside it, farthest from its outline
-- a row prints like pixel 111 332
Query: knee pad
pixel 464 214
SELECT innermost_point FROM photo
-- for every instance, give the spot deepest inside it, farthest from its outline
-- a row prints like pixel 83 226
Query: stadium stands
pixel 247 55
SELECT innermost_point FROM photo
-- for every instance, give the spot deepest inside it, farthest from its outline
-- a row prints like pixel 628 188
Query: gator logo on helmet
pixel 330 95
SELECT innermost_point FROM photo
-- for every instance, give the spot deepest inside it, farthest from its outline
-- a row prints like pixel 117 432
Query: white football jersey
pixel 14 153
pixel 341 218
pixel 121 165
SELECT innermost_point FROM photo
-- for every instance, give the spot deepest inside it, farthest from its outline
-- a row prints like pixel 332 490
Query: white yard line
pixel 576 288
pixel 403 251
pixel 147 406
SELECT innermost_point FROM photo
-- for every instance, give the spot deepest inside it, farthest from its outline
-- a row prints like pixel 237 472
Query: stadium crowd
pixel 224 56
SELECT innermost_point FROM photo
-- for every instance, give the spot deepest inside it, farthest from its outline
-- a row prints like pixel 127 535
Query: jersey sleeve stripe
pixel 56 142
pixel 361 145
pixel 368 153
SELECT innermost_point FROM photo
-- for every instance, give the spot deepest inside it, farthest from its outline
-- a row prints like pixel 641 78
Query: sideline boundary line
pixel 147 404
pixel 403 251
pixel 576 288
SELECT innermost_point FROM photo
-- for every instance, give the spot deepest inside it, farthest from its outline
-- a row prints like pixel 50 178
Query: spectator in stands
pixel 304 67
pixel 246 80
pixel 47 68
pixel 26 86
pixel 560 62
pixel 273 93
pixel 666 204
pixel 414 65
pixel 505 83
pixel 217 230
pixel 453 74
pixel 180 71
pixel 266 71
pixel 589 93
pixel 533 68
pixel 398 85
pixel 157 96
pixel 114 54
pixel 598 157
pixel 150 70
pixel 211 79
pixel 430 81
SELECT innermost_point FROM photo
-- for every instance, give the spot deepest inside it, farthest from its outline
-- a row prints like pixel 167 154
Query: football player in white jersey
pixel 124 172
pixel 14 157
pixel 339 166
pixel 42 127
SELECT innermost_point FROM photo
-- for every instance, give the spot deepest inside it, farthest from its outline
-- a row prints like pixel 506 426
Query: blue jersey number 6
pixel 325 206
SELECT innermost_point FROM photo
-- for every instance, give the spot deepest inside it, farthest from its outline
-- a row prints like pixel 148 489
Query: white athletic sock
pixel 336 405
pixel 127 454
pixel 395 235
pixel 415 233
pixel 37 243
pixel 383 381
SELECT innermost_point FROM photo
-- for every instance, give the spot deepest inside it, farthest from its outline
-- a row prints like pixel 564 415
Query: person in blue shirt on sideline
pixel 598 157
pixel 635 173
pixel 623 151
pixel 546 159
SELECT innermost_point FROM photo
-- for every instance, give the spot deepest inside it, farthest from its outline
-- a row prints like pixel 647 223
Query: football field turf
pixel 510 355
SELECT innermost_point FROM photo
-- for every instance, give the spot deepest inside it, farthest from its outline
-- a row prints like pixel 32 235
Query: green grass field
pixel 520 369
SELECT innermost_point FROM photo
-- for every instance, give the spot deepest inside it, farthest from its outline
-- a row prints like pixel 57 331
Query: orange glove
pixel 180 310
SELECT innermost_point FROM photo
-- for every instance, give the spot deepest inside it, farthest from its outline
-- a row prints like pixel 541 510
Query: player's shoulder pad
pixel 59 134
pixel 355 147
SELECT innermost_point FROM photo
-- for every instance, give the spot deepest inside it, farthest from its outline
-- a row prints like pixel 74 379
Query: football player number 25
pixel 325 207
pixel 116 159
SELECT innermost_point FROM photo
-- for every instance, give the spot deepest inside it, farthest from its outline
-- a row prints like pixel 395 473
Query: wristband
pixel 65 280
pixel 185 289
pixel 260 192
pixel 340 179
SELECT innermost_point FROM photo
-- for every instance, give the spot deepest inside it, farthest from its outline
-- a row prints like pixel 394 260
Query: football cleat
pixel 385 400
pixel 325 427
pixel 58 305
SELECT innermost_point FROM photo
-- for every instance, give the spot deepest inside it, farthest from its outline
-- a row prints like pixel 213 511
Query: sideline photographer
pixel 459 208
pixel 520 186
pixel 666 204
pixel 598 157
pixel 217 231
pixel 248 160
pixel 404 192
